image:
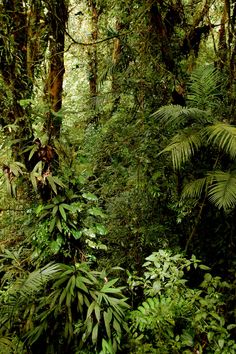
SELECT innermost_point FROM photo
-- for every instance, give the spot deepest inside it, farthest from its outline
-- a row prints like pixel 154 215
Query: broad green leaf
pixel 33 180
pixel 90 309
pixel 89 233
pixel 80 301
pixel 96 212
pixel 116 326
pixel 55 210
pixel 204 267
pixel 85 280
pixel 97 310
pixel 89 327
pixel 52 224
pixel 210 336
pixel 231 326
pixel 25 102
pixel 76 234
pixel 72 286
pixel 68 299
pixel 62 211
pixel 38 167
pixel 109 284
pixel 55 247
pixel 59 225
pixel 63 295
pixel 52 183
pixel 221 343
pixel 81 285
pixel 101 229
pixel 32 152
pixel 58 182
pixel 95 334
pixel 90 196
pixel 67 206
pixel 107 319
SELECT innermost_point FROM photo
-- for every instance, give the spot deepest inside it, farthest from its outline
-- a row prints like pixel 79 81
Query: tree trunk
pixel 93 58
pixel 13 68
pixel 57 17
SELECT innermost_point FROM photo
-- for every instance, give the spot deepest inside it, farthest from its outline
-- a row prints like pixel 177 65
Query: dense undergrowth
pixel 117 182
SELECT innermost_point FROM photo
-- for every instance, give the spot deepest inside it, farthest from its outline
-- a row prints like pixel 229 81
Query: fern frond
pixel 183 146
pixel 224 136
pixel 195 188
pixel 222 193
pixel 37 279
pixel 177 116
pixel 204 87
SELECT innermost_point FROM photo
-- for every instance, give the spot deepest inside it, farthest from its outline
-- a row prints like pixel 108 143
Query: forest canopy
pixel 117 176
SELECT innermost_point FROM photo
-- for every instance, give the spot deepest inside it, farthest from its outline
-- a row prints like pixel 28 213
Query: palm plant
pixel 200 128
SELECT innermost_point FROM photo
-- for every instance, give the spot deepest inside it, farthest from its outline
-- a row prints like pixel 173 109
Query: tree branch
pixel 97 42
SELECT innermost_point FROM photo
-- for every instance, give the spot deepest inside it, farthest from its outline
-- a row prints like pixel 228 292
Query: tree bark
pixel 13 68
pixel 93 57
pixel 57 17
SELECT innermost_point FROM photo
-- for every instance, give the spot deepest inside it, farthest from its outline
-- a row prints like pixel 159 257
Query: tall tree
pixel 14 68
pixel 96 11
pixel 57 19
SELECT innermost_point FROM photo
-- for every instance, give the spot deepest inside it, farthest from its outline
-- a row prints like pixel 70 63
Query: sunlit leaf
pixel 62 211
pixel 90 196
pixel 52 183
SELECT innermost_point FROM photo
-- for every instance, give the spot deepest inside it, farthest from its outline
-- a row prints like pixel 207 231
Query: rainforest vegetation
pixel 117 176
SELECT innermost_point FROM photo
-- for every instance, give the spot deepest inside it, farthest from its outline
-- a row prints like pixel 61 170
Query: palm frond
pixel 37 279
pixel 224 136
pixel 7 344
pixel 222 193
pixel 204 87
pixel 177 116
pixel 195 188
pixel 183 146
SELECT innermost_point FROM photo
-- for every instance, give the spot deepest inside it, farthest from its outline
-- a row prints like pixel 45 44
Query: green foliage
pixel 219 185
pixel 174 317
pixel 183 146
pixel 81 307
pixel 69 219
pixel 91 181
pixel 223 136
pixel 205 84
pixel 175 116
